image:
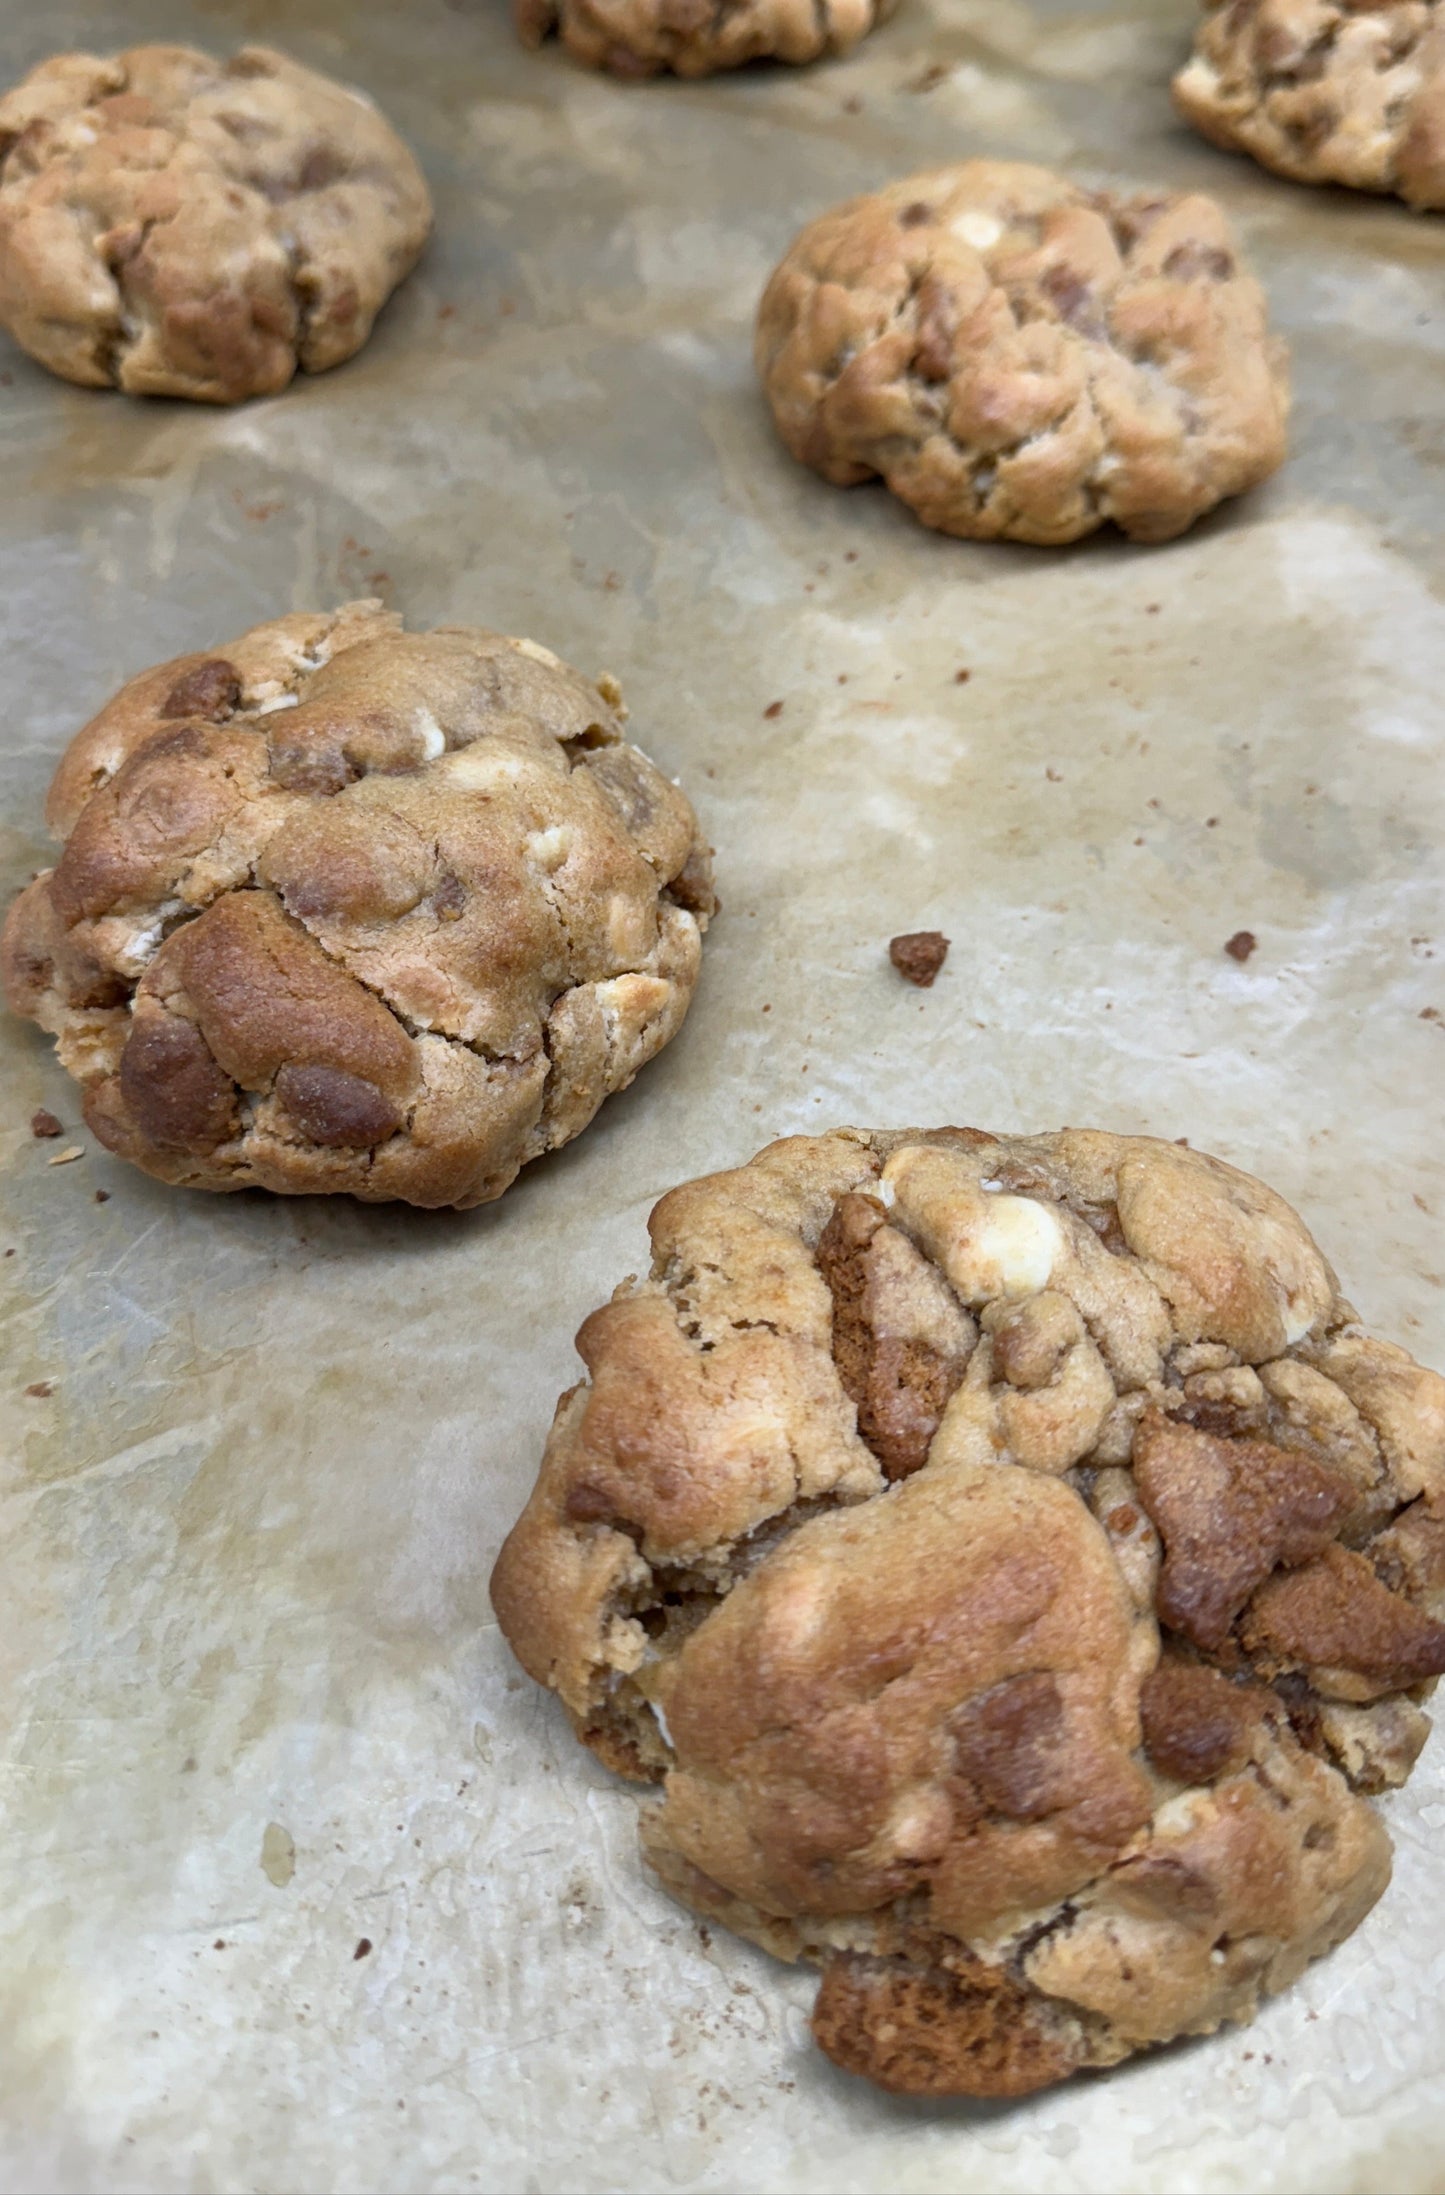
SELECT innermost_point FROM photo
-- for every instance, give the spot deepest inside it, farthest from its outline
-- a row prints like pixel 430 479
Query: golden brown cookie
pixel 1022 358
pixel 696 37
pixel 178 226
pixel 1325 91
pixel 343 907
pixel 1013 1562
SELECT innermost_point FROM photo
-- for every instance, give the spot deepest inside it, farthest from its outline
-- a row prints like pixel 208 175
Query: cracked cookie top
pixel 343 907
pixel 174 225
pixel 1014 1563
pixel 697 37
pixel 1021 358
pixel 1325 91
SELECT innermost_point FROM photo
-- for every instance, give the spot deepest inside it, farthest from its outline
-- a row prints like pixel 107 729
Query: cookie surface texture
pixel 1016 1568
pixel 173 225
pixel 1020 358
pixel 1325 91
pixel 343 907
pixel 639 38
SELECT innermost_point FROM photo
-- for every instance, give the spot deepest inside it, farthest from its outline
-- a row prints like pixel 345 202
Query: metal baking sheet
pixel 255 1710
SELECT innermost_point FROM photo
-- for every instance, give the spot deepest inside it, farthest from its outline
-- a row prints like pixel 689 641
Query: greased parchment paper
pixel 304 1886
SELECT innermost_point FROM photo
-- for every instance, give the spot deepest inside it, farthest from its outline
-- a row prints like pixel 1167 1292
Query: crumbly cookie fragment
pixel 173 225
pixel 1325 91
pixel 639 38
pixel 918 955
pixel 1021 358
pixel 1014 1564
pixel 343 907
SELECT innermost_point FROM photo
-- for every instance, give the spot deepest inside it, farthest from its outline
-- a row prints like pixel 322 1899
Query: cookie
pixel 694 38
pixel 343 907
pixel 1021 358
pixel 1016 1567
pixel 1325 91
pixel 178 226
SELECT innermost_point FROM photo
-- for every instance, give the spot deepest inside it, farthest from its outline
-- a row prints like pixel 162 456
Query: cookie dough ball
pixel 177 226
pixel 694 38
pixel 1014 1564
pixel 343 907
pixel 1024 359
pixel 1325 91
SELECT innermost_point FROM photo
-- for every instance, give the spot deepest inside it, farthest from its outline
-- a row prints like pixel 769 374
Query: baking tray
pixel 256 1711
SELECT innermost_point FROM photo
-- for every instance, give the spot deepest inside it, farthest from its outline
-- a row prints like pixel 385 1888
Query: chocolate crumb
pixel 102 1196
pixel 918 955
pixel 774 708
pixel 362 1948
pixel 961 678
pixel 41 1388
pixel 43 1123
pixel 1241 945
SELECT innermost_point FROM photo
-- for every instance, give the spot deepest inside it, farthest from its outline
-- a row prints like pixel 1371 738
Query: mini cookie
pixel 695 38
pixel 178 226
pixel 1013 1562
pixel 343 907
pixel 1325 91
pixel 1022 358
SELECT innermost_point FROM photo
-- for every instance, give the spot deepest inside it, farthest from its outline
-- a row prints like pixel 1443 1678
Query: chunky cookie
pixel 1325 91
pixel 1015 1564
pixel 695 37
pixel 178 226
pixel 343 907
pixel 1022 358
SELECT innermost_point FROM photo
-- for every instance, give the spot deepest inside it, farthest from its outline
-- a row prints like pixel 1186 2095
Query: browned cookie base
pixel 1022 358
pixel 1014 1563
pixel 343 907
pixel 640 38
pixel 178 226
pixel 1325 91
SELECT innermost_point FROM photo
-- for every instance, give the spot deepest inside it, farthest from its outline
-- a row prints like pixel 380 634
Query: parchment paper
pixel 256 1715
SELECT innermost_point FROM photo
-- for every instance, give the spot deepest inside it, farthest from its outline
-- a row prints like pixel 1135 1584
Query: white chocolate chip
pixel 483 763
pixel 549 848
pixel 1299 1318
pixel 538 653
pixel 977 228
pixel 1016 1247
pixel 433 738
pixel 278 701
pixel 989 1244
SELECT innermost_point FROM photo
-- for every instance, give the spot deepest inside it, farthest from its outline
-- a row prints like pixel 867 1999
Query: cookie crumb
pixel 961 678
pixel 64 1158
pixel 41 1388
pixel 1241 945
pixel 43 1123
pixel 918 955
pixel 774 708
